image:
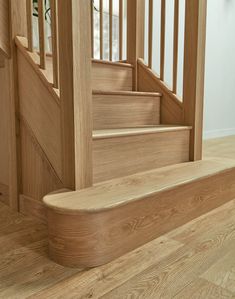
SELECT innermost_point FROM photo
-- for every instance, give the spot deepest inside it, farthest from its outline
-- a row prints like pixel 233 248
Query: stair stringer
pixel 38 177
pixel 92 227
pixel 171 106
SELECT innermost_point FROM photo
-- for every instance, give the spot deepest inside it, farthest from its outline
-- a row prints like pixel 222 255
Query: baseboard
pixel 218 133
pixel 4 194
pixel 33 208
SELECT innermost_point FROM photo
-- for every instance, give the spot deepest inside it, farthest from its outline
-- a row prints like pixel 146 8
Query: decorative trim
pixel 210 134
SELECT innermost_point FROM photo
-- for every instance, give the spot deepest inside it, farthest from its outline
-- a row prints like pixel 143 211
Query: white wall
pixel 219 110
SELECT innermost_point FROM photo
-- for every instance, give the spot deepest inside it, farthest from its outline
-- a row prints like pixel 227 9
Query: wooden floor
pixel 194 261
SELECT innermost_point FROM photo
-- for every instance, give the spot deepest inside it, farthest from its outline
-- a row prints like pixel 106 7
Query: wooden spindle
pixel 150 41
pixel 92 28
pixel 163 32
pixel 101 29
pixel 120 29
pixel 29 13
pixel 110 30
pixel 176 45
pixel 54 43
pixel 41 26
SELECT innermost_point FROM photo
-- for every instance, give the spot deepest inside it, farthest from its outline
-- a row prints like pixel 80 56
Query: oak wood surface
pixel 5 44
pixel 111 76
pixel 124 109
pixel 171 107
pixel 136 222
pixel 113 154
pixel 175 262
pixel 41 112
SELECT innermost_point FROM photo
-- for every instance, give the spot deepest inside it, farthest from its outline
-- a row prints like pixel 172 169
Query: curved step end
pixel 93 237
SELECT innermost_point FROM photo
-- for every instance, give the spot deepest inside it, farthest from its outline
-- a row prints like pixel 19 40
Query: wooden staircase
pixel 128 136
pixel 113 133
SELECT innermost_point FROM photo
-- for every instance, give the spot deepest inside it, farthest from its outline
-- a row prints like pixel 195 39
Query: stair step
pixel 120 109
pixel 108 75
pixel 121 152
pixel 91 227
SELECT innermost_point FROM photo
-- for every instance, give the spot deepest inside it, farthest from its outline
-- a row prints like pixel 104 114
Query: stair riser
pixel 109 77
pixel 119 111
pixel 92 239
pixel 126 155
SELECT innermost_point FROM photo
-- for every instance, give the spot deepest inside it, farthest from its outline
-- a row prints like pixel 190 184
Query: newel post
pixel 76 92
pixel 135 32
pixel 194 65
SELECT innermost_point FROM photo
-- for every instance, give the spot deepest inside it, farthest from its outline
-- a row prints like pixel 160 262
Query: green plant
pixel 47 10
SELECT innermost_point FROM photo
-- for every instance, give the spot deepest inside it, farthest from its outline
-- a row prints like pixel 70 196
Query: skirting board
pixel 4 194
pixel 218 133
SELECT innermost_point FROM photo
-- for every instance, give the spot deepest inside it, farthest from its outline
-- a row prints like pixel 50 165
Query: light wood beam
pixel 76 92
pixel 194 64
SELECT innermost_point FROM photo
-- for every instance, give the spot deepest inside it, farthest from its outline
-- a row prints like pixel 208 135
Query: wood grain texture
pixel 115 76
pixel 194 71
pixel 135 34
pixel 170 266
pixel 4 126
pixel 113 154
pixel 38 176
pixel 41 112
pixel 171 107
pixel 5 45
pixel 125 110
pixel 71 232
pixel 32 208
pixel 4 193
pixel 76 92
pixel 18 26
pixel 2 61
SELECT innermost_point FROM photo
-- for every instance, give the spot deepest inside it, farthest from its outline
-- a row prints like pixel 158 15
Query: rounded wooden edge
pixel 113 63
pixel 127 93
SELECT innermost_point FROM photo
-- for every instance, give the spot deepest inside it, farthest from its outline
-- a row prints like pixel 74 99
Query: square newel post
pixel 135 33
pixel 75 92
pixel 194 65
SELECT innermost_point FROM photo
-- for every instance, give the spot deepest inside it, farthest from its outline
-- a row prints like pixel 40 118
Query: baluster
pixel 92 29
pixel 54 43
pixel 101 29
pixel 29 13
pixel 150 41
pixel 176 45
pixel 120 29
pixel 41 26
pixel 163 30
pixel 110 30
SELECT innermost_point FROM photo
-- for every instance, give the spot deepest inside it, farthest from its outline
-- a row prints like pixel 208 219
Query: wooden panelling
pixel 2 61
pixel 120 152
pixel 111 76
pixel 33 208
pixel 4 194
pixel 125 109
pixel 4 126
pixel 18 26
pixel 86 228
pixel 171 107
pixel 38 176
pixel 4 28
pixel 41 112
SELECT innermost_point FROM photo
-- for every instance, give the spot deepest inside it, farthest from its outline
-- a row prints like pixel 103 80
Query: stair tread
pixel 127 93
pixel 117 192
pixel 113 63
pixel 108 133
